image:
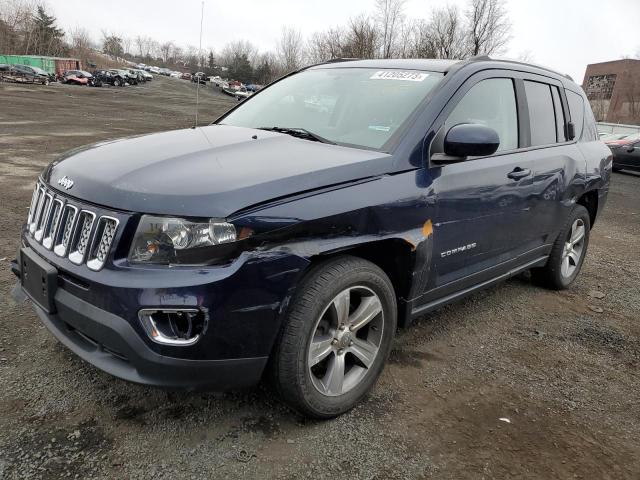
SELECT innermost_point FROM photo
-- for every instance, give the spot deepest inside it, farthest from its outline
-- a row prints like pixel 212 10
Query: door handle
pixel 518 173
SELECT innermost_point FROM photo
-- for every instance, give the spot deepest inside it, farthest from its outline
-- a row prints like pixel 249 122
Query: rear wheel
pixel 568 252
pixel 336 338
pixel 117 83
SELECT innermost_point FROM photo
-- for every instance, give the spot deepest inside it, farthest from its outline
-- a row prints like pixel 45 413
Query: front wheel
pixel 568 252
pixel 336 337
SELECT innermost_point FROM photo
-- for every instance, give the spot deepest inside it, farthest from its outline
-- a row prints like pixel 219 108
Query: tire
pixel 562 266
pixel 359 348
pixel 117 83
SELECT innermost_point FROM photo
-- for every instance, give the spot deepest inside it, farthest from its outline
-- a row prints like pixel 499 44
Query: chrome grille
pixel 70 231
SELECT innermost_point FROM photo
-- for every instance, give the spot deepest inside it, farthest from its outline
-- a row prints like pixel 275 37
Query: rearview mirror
pixel 468 140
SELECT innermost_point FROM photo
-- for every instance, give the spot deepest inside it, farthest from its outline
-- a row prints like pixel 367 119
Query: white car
pixel 242 93
pixel 175 75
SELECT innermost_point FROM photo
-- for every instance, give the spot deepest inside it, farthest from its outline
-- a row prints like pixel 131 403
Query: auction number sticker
pixel 397 75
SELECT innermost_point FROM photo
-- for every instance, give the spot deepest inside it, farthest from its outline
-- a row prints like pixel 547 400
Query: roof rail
pixel 480 58
pixel 341 59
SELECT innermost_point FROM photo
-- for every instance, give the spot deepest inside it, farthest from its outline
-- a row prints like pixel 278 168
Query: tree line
pixel 482 27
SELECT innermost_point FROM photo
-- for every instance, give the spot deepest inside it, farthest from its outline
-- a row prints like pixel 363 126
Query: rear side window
pixel 492 103
pixel 576 109
pixel 542 117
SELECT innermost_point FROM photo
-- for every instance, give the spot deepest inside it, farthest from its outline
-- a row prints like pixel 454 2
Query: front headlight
pixel 166 240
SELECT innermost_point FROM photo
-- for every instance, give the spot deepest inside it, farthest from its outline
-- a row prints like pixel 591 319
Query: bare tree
pixel 323 46
pixel 81 43
pixel 447 35
pixel 165 51
pixel 488 27
pixel 362 38
pixel 290 49
pixel 389 16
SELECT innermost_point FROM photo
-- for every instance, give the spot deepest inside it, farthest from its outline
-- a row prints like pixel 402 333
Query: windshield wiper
pixel 298 133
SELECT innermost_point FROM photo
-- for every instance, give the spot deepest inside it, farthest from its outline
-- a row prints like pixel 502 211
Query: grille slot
pixel 80 237
pixel 72 232
pixel 68 220
pixel 43 217
pixel 37 209
pixel 51 227
pixel 102 241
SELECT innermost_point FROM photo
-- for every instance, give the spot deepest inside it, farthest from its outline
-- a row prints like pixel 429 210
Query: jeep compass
pixel 291 238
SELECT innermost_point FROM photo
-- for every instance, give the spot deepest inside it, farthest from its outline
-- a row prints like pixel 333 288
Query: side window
pixel 542 117
pixel 576 109
pixel 557 106
pixel 492 103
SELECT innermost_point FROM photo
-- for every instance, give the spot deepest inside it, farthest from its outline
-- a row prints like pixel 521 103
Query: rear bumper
pixel 110 343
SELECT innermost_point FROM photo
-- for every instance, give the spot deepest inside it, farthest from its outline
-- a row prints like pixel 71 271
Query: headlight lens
pixel 166 240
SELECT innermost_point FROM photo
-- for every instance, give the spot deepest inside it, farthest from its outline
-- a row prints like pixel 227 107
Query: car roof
pixel 432 65
pixel 444 66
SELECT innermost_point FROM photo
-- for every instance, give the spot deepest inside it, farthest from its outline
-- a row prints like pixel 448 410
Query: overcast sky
pixel 563 34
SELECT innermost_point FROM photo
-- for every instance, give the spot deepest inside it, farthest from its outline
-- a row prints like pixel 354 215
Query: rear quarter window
pixel 576 110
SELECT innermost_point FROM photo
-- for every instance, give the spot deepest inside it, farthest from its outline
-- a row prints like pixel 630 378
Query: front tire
pixel 336 337
pixel 568 252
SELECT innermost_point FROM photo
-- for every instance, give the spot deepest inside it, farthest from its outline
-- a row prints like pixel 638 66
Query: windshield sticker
pixel 379 128
pixel 396 75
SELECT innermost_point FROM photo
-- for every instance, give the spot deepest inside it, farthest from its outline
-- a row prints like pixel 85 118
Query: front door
pixel 482 204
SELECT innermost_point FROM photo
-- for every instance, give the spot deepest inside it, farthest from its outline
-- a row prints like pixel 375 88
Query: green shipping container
pixel 47 64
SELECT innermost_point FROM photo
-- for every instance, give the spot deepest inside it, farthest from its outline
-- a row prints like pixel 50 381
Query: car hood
pixel 211 171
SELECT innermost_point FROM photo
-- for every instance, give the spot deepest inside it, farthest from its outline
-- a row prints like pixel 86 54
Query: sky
pixel 565 35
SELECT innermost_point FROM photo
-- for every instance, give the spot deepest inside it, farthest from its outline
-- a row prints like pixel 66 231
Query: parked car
pixel 165 71
pixel 176 75
pixel 145 75
pixel 130 78
pixel 242 93
pixel 620 139
pixel 199 77
pixel 626 156
pixel 314 234
pixel 137 74
pixel 25 74
pixel 186 76
pixel 77 77
pixel 109 77
pixel 155 70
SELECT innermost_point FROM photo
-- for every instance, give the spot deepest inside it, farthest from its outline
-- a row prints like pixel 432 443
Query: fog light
pixel 174 326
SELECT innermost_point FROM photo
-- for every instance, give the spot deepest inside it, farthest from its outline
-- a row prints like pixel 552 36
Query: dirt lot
pixel 565 376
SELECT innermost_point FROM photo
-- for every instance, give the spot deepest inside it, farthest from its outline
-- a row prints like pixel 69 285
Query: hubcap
pixel 346 341
pixel 573 249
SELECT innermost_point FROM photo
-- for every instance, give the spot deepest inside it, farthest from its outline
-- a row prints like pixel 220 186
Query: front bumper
pixel 111 344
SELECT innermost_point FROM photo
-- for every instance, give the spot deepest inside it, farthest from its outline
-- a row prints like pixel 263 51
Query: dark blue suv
pixel 294 235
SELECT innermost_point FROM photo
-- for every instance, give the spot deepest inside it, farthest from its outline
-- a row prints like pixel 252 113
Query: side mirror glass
pixel 468 140
pixel 571 131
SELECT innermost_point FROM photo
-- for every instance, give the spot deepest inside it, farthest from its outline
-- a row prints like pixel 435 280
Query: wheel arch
pixel 589 200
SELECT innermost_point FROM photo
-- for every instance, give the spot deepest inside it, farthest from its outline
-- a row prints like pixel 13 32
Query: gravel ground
pixel 562 367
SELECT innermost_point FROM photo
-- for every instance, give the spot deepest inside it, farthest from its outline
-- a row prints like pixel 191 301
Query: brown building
pixel 613 89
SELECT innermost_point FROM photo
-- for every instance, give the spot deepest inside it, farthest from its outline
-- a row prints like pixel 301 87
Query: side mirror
pixel 630 148
pixel 468 140
pixel 571 131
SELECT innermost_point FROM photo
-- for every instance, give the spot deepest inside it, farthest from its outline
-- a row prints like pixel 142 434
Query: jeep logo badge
pixel 65 182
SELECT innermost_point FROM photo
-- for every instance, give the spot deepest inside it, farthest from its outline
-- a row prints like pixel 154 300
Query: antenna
pixel 200 58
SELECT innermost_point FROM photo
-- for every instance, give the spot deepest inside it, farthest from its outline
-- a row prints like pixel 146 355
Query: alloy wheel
pixel 573 248
pixel 346 340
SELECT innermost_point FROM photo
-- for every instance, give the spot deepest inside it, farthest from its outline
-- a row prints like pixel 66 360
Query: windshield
pixel 353 106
